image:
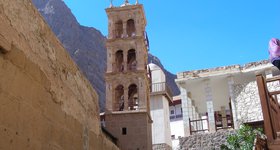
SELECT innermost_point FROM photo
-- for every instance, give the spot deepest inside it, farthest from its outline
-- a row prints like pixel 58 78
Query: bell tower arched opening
pixel 133 97
pixel 130 28
pixel 119 64
pixel 131 60
pixel 118 29
pixel 119 98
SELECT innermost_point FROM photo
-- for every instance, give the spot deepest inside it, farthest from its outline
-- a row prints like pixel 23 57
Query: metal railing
pixel 175 116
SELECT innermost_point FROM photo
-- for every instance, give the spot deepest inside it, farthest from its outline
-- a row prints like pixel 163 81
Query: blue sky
pixel 197 34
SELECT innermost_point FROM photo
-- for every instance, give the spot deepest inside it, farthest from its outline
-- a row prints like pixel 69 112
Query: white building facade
pixel 176 121
pixel 160 98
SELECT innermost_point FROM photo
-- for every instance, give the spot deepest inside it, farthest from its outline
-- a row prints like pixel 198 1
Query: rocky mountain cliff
pixel 86 45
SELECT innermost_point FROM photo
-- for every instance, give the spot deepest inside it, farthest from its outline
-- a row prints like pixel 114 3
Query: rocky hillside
pixel 86 45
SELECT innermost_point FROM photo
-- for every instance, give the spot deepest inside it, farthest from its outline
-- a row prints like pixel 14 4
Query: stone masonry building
pixel 45 101
pixel 127 115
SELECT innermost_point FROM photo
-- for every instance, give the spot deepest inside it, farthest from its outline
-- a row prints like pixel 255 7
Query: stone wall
pixel 162 146
pixel 205 141
pixel 248 102
pixel 45 102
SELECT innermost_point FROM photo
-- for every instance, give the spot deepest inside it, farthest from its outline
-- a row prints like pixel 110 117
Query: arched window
pixel 130 28
pixel 119 61
pixel 119 29
pixel 119 98
pixel 133 97
pixel 131 60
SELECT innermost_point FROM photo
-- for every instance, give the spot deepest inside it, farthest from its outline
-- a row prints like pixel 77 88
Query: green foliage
pixel 243 139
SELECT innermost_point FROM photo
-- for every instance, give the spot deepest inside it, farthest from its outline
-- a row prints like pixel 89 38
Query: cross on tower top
pixel 111 3
pixel 126 2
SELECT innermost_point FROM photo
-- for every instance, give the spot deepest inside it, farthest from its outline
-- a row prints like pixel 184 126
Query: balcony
pixel 161 88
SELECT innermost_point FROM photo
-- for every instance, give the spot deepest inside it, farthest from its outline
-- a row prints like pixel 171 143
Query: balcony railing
pixel 176 116
pixel 196 126
pixel 161 88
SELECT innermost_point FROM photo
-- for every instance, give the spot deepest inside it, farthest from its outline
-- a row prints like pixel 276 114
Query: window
pixel 123 131
pixel 172 112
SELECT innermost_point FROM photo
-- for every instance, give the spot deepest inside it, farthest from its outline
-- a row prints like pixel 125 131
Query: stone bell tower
pixel 127 81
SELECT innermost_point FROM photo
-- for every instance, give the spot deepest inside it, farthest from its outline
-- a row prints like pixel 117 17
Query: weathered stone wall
pixel 205 141
pixel 248 102
pixel 45 102
pixel 163 146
